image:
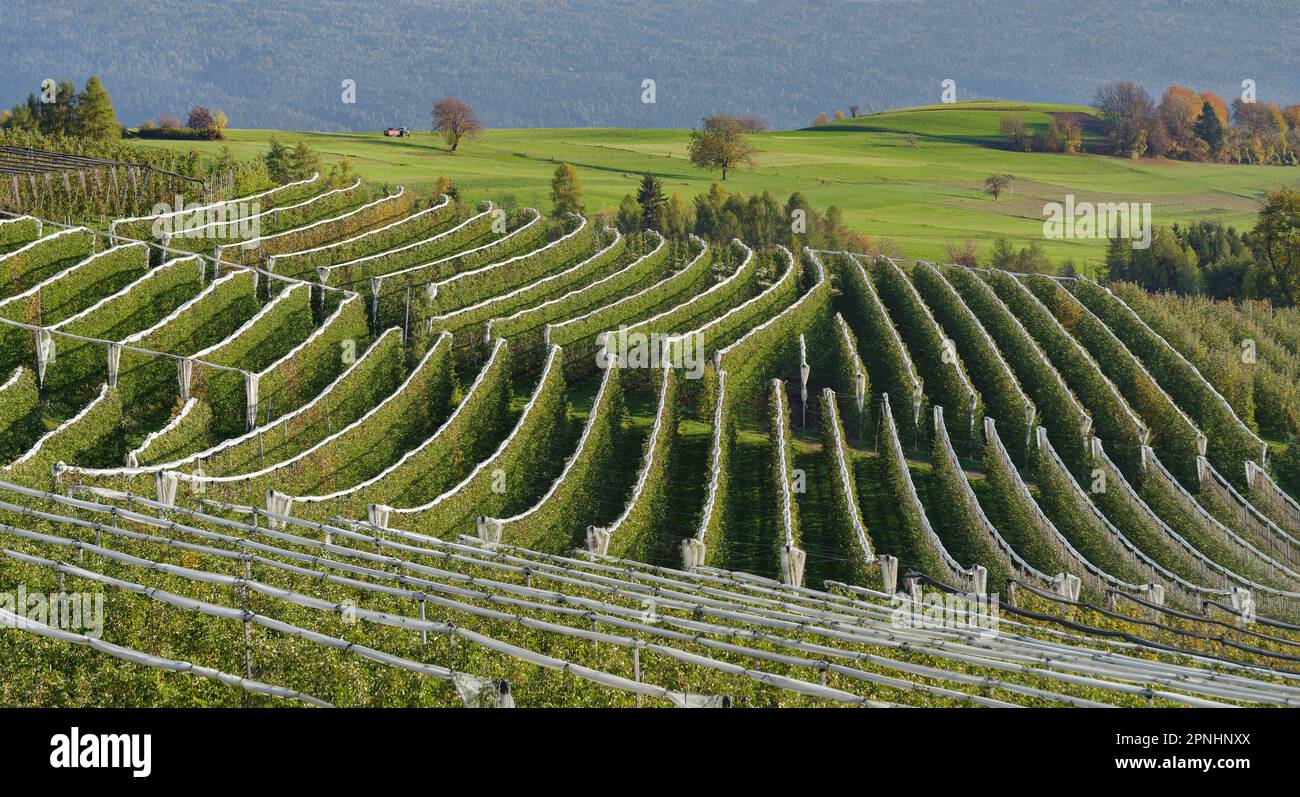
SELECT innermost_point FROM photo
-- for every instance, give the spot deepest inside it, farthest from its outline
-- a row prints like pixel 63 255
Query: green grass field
pixel 921 196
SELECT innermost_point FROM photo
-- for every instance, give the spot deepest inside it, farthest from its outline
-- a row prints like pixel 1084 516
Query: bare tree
pixel 997 185
pixel 853 111
pixel 455 120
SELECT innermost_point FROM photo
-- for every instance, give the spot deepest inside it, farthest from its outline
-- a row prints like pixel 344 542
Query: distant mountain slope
pixel 569 63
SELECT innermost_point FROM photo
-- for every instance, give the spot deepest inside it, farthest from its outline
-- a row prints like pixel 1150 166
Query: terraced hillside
pixel 400 450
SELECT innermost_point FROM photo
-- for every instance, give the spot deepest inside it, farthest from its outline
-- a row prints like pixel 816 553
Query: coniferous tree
pixel 94 113
pixel 650 196
pixel 1209 128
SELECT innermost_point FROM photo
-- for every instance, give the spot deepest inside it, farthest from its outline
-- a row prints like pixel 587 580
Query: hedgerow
pixel 90 438
pixel 526 454
pixel 372 214
pixel 780 437
pixel 182 435
pixel 409 229
pixel 849 377
pixel 1230 442
pixel 966 531
pixel 1075 516
pixel 1090 371
pixel 396 293
pixel 33 263
pixel 912 540
pixel 375 375
pixel 260 342
pixel 556 521
pixel 141 227
pixel 641 531
pixel 1062 414
pixel 149 383
pixel 1171 501
pixel 713 526
pixel 889 364
pixel 467 437
pixel 213 236
pixel 20 415
pixel 470 324
pixel 354 453
pixel 64 295
pixel 772 347
pixel 17 232
pixel 80 366
pixel 574 321
pixel 304 371
pixel 988 371
pixel 936 356
pixel 1173 433
pixel 356 273
pixel 849 534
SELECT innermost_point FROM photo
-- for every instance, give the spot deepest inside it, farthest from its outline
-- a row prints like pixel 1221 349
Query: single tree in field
pixel 566 191
pixel 1209 128
pixel 650 196
pixel 997 185
pixel 95 115
pixel 721 144
pixel 200 118
pixel 751 124
pixel 455 120
pixel 1128 113
pixel 821 119
pixel 1013 127
pixel 853 111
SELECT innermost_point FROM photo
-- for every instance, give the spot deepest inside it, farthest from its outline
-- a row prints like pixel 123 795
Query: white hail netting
pixel 443 204
pixel 1027 404
pixel 877 308
pixel 1063 334
pixel 961 575
pixel 991 296
pixel 845 476
pixel 746 267
pixel 323 273
pixel 61 428
pixel 516 232
pixel 195 479
pixel 667 285
pixel 1133 359
pixel 112 227
pixel 1133 555
pixel 792 558
pixel 693 549
pixel 1205 383
pixel 259 242
pixel 1284 507
pixel 972 396
pixel 553 363
pixel 1261 527
pixel 435 286
pixel 435 322
pixel 10 620
pixel 1068 555
pixel 653 443
pixel 1208 522
pixel 696 602
pixel 495 360
pixel 973 505
pixel 272 212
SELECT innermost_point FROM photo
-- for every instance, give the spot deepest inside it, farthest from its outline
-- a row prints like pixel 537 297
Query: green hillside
pixel 921 196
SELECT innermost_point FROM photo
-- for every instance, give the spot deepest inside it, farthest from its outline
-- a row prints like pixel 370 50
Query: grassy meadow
pixel 914 175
